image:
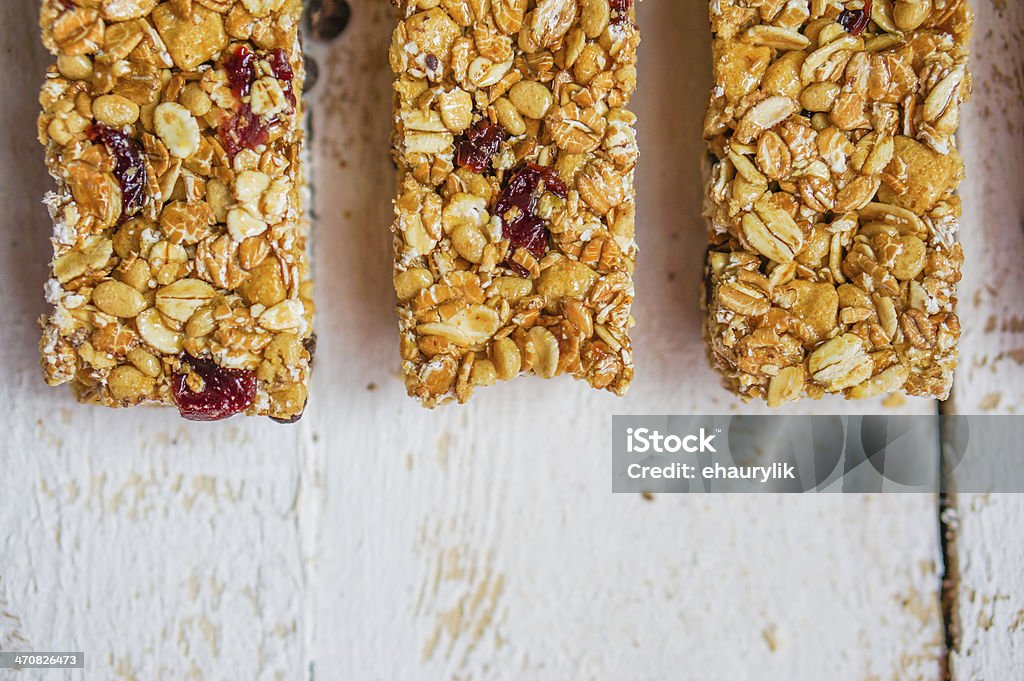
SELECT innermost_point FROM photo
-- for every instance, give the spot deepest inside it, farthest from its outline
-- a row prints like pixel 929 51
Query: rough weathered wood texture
pixel 376 540
pixel 482 542
pixel 990 548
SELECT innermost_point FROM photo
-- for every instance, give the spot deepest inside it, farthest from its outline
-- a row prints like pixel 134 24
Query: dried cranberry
pixel 856 20
pixel 523 191
pixel 553 183
pixel 244 130
pixel 620 10
pixel 129 167
pixel 529 232
pixel 225 393
pixel 241 68
pixel 281 68
pixel 279 65
pixel 479 146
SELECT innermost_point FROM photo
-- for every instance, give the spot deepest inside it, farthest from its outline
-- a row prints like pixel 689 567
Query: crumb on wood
pixel 770 634
pixel 894 401
pixel 990 401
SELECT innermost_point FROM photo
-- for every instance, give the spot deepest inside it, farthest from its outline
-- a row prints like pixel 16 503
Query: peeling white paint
pixel 375 540
pixel 990 548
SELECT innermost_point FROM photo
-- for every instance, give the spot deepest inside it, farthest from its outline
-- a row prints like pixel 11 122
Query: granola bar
pixel 514 236
pixel 173 131
pixel 833 260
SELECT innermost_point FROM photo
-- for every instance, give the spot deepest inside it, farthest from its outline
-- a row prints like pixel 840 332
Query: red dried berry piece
pixel 479 146
pixel 620 10
pixel 279 65
pixel 244 130
pixel 282 70
pixel 129 167
pixel 529 232
pixel 523 192
pixel 527 184
pixel 241 68
pixel 225 393
pixel 553 183
pixel 856 20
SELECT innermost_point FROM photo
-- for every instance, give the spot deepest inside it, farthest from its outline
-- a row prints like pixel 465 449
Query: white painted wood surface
pixel 376 540
pixel 989 544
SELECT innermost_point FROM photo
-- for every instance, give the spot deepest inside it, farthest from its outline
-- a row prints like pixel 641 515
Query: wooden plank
pixel 376 540
pixel 992 143
pixel 158 547
pixel 989 597
pixel 482 542
pixel 989 588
